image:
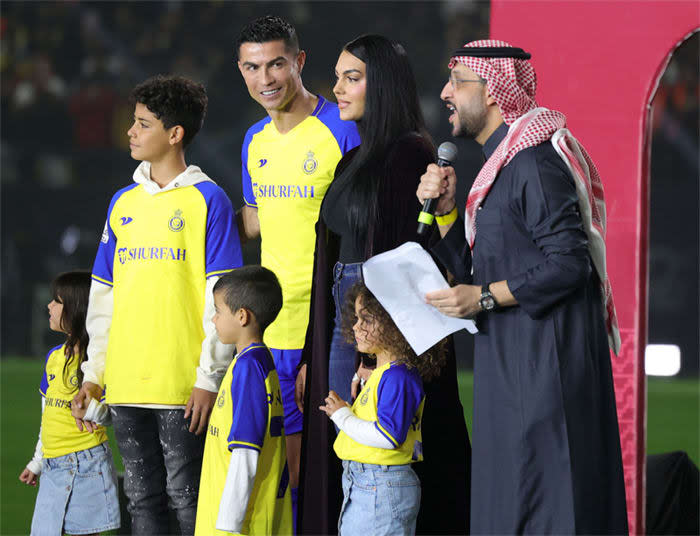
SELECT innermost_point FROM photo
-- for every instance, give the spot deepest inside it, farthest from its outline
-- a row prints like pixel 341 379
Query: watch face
pixel 488 303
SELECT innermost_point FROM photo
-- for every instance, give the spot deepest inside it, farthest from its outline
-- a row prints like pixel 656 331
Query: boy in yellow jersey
pixel 167 239
pixel 245 481
pixel 288 162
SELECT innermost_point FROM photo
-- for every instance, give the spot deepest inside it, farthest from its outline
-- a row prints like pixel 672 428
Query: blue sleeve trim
pixel 103 281
pixel 223 246
pixel 344 132
pixel 391 439
pixel 236 445
pixel 246 180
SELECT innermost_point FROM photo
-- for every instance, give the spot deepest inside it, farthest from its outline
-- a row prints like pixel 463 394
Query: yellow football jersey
pixel 156 252
pixel 286 176
pixel 59 434
pixel 248 414
pixel 393 399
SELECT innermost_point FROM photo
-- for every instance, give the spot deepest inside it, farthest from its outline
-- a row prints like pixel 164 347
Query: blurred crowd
pixel 66 72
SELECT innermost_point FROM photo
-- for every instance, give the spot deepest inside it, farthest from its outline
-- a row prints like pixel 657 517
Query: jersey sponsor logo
pixel 177 222
pixel 150 253
pixel 105 234
pixel 310 164
pixel 126 219
pixel 282 191
pixel 262 162
pixel 51 376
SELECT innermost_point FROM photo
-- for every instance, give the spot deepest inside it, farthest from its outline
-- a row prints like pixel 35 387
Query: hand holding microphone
pixel 437 187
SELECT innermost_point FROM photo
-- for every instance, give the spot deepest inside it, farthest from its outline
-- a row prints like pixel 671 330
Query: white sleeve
pixel 35 464
pixel 97 323
pixel 216 356
pixel 239 486
pixel 360 430
pixel 98 412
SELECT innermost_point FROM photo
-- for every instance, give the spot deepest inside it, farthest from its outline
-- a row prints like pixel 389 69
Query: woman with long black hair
pixel 370 208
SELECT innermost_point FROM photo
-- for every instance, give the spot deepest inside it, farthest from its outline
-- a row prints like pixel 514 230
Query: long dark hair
pixel 72 289
pixel 391 111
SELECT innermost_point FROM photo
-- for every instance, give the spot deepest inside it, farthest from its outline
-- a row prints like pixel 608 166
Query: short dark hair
pixel 254 288
pixel 174 100
pixel 266 29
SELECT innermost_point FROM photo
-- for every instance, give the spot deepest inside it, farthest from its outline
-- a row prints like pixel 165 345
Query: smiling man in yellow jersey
pixel 288 162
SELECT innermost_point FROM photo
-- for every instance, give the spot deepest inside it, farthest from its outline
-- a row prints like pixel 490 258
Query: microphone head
pixel 447 151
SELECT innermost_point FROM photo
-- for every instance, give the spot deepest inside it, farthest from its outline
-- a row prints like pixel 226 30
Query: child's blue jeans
pixel 378 500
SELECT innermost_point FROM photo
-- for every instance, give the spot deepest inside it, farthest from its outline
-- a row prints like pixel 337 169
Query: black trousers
pixel 162 463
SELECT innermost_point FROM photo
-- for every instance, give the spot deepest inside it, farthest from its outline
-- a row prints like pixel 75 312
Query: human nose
pixel 267 77
pixel 338 87
pixel 446 92
pixel 131 132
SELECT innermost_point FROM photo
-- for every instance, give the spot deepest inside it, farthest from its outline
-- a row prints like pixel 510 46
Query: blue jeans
pixel 341 365
pixel 378 500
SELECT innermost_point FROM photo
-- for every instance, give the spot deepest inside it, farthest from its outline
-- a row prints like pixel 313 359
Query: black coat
pixel 444 473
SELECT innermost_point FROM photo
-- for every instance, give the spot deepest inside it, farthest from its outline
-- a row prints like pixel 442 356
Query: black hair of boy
pixel 254 288
pixel 269 28
pixel 174 100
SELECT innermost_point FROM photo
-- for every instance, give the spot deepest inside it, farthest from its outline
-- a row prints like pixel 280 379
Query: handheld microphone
pixel 447 152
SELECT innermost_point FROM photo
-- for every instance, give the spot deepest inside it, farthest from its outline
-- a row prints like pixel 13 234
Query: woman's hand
pixel 333 404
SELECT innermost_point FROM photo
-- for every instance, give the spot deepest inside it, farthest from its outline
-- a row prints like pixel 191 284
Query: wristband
pixel 356 378
pixel 447 219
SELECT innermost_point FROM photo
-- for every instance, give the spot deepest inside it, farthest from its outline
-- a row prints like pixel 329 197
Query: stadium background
pixel 66 72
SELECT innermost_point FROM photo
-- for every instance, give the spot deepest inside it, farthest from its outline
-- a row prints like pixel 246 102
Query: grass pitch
pixel 672 424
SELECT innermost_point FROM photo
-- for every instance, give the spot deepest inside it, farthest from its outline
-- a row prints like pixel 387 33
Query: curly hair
pixel 174 100
pixel 428 364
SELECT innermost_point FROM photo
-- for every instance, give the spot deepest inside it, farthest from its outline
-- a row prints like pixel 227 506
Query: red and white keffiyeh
pixel 512 83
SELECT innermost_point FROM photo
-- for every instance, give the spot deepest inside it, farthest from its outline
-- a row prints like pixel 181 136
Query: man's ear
pixel 490 101
pixel 176 134
pixel 301 60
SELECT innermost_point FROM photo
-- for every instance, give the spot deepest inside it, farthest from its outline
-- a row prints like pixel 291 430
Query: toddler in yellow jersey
pixel 380 435
pixel 244 486
pixel 78 485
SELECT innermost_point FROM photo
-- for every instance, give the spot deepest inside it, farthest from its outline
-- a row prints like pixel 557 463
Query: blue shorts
pixel 77 494
pixel 286 363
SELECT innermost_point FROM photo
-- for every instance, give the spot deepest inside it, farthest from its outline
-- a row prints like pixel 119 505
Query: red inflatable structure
pixel 600 63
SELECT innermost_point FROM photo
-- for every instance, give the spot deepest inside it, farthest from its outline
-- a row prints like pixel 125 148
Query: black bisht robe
pixel 546 455
pixel 444 473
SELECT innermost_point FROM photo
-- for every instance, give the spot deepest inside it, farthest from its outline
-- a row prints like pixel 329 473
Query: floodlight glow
pixel 662 360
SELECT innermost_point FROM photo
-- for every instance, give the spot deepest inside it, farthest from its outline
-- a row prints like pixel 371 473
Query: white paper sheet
pixel 400 279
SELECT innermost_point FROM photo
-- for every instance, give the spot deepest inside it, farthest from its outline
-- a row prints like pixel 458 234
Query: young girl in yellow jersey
pixel 78 485
pixel 380 435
